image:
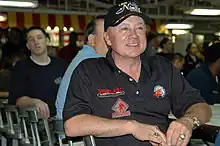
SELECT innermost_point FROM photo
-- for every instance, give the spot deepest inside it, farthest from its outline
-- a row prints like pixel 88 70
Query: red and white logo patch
pixel 110 92
pixel 120 109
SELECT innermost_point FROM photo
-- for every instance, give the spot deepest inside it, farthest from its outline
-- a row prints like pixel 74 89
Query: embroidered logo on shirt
pixel 159 91
pixel 58 80
pixel 120 109
pixel 110 92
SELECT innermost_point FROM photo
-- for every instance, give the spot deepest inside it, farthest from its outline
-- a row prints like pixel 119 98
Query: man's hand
pixel 179 132
pixel 144 132
pixel 42 108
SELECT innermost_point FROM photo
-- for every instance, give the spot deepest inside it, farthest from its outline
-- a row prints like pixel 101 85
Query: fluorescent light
pixel 217 33
pixel 27 4
pixel 204 12
pixel 179 26
pixel 179 31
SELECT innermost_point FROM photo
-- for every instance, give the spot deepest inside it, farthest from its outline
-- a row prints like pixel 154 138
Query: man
pixel 125 98
pixel 95 47
pixel 191 59
pixel 35 80
pixel 205 78
pixel 178 60
pixel 69 52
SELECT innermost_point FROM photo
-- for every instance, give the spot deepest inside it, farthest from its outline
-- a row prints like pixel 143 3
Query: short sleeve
pixel 183 94
pixel 77 99
pixel 18 85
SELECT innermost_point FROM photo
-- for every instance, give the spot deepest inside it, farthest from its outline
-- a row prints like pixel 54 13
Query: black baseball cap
pixel 119 13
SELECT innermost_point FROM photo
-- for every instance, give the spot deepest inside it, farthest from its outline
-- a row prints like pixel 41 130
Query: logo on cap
pixel 130 6
pixel 159 91
pixel 120 109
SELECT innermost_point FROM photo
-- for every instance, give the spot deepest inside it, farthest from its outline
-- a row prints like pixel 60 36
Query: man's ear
pixel 106 38
pixel 91 40
pixel 218 60
pixel 27 46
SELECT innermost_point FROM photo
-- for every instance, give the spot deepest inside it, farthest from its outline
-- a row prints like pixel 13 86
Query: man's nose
pixel 134 33
pixel 36 41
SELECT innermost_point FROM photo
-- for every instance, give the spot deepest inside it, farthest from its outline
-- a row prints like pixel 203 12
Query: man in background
pixel 69 52
pixel 95 47
pixel 206 77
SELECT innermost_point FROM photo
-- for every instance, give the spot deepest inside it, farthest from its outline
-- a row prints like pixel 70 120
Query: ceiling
pixel 165 10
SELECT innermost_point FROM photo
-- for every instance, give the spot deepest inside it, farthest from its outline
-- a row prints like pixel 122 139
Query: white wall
pixel 181 43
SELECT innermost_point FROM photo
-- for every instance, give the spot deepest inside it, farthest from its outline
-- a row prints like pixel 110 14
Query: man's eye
pixel 124 28
pixel 39 37
pixel 30 40
pixel 141 28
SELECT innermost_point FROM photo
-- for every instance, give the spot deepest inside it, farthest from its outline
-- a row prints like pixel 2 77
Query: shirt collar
pixel 144 61
pixel 88 47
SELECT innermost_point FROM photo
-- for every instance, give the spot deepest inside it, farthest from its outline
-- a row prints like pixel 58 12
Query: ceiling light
pixel 204 12
pixel 178 26
pixel 48 28
pixel 217 33
pixel 17 3
pixel 71 29
pixel 64 29
pixel 179 31
pixel 56 28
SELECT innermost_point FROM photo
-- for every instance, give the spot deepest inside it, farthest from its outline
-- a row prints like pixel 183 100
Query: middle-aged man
pixel 125 98
pixel 95 48
pixel 205 77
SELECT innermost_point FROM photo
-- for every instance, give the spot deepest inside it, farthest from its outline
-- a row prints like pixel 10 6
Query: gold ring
pixel 182 136
pixel 156 134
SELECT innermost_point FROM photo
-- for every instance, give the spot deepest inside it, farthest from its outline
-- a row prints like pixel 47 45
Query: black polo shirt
pixel 99 88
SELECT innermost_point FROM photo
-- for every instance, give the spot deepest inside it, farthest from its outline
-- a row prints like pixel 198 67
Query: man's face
pixel 168 46
pixel 100 44
pixel 128 39
pixel 37 42
pixel 193 49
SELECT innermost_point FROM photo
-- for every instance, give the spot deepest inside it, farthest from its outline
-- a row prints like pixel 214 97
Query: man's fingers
pixel 170 132
pixel 157 136
pixel 47 111
pixel 40 110
pixel 43 109
pixel 186 140
pixel 181 138
pixel 153 143
pixel 162 135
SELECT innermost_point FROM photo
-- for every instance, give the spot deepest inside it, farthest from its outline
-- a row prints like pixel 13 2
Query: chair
pixel 27 128
pixel 3 125
pixel 40 127
pixel 89 141
pixel 59 130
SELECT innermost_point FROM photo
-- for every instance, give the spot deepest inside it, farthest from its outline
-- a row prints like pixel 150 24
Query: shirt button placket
pixel 130 79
